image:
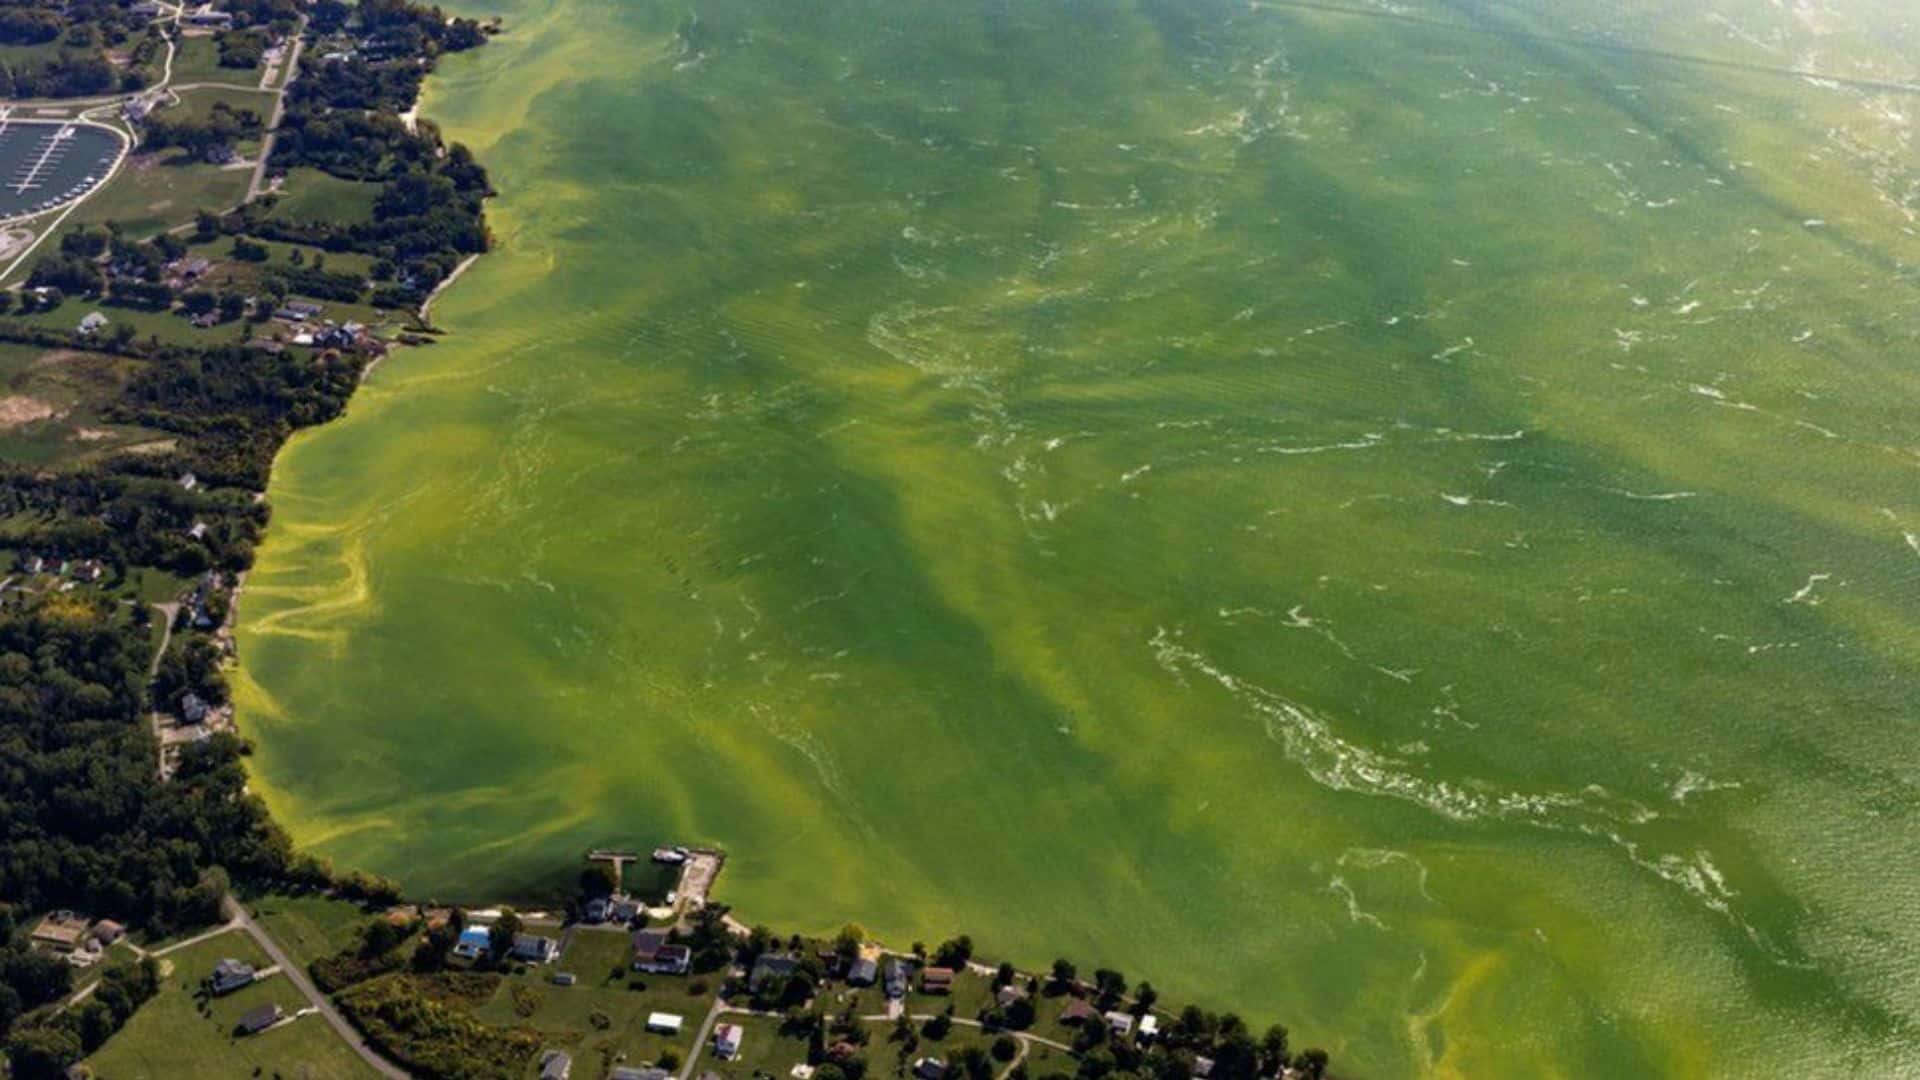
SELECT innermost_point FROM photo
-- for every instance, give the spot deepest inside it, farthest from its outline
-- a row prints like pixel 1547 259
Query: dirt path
pixel 279 109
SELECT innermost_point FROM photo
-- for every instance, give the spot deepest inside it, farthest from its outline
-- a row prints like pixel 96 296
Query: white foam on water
pixel 1805 594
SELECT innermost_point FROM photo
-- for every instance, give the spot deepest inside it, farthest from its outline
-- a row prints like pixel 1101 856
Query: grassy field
pixel 51 402
pixel 157 191
pixel 312 195
pixel 310 927
pixel 600 1019
pixel 198 105
pixel 177 1034
pixel 197 59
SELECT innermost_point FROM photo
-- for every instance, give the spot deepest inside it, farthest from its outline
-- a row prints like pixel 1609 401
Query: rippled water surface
pixel 1401 519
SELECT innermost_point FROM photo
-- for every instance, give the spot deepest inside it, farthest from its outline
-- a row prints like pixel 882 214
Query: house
pixel 1009 994
pixel 556 1065
pixel 1148 1028
pixel 929 1068
pixel 61 931
pixel 90 570
pixel 936 980
pixel 564 978
pixel 862 972
pixel 595 911
pixel 1077 1012
pixel 897 973
pixel 664 1023
pixel 193 709
pixel 1120 1023
pixel 206 17
pixel 623 911
pixel 106 932
pixel 188 481
pixel 727 1039
pixel 229 975
pixel 258 1020
pixel 533 948
pixel 144 9
pixel 93 323
pixel 651 952
pixel 628 1072
pixel 1202 1067
pixel 474 942
pixel 771 970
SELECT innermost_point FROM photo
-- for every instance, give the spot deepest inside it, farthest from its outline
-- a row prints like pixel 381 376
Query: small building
pixel 644 1072
pixel 664 1023
pixel 1120 1023
pixel 144 9
pixel 842 1052
pixel 62 932
pixel 188 481
pixel 929 1068
pixel 93 323
pixel 556 1065
pixel 1202 1066
pixel 1009 994
pixel 595 911
pixel 897 975
pixel 564 978
pixel 106 932
pixel 1149 1027
pixel 727 1039
pixel 533 948
pixel 258 1020
pixel 862 972
pixel 1077 1012
pixel 205 17
pixel 474 943
pixel 193 708
pixel 229 975
pixel 774 970
pixel 936 980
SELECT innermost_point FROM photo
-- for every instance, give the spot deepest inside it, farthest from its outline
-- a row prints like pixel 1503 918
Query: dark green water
pixel 1402 521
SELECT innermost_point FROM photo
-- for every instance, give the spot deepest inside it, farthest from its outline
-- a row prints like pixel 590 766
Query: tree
pixel 1003 976
pixel 955 952
pixel 1006 1048
pixel 1064 973
pixel 598 880
pixel 1313 1062
pixel 42 1053
pixel 937 1026
pixel 500 938
pixel 1144 997
pixel 1111 985
pixel 1273 1049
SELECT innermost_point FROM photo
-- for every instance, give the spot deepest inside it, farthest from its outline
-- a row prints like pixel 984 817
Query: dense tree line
pixel 203 137
pixel 81 32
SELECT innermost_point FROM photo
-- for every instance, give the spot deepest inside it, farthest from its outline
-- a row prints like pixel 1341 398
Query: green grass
pixel 197 59
pixel 158 191
pixel 565 1015
pixel 176 1035
pixel 309 194
pixel 597 957
pixel 764 1051
pixel 310 927
pixel 75 386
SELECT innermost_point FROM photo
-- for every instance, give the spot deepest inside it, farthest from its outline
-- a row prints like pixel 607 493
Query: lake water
pixel 1403 521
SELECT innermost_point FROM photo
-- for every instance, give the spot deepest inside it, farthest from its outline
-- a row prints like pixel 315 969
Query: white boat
pixel 670 856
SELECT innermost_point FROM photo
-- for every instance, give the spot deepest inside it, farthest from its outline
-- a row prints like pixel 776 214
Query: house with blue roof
pixel 475 942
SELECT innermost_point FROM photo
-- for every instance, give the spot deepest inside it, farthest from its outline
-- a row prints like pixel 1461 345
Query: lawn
pixel 599 1022
pixel 764 1051
pixel 197 59
pixel 158 191
pixel 312 195
pixel 198 105
pixel 180 1034
pixel 310 927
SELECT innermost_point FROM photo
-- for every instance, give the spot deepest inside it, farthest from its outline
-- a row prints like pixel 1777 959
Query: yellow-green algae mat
pixel 1403 521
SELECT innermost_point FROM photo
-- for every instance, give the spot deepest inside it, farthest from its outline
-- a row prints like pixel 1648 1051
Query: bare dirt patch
pixel 18 409
pixel 91 434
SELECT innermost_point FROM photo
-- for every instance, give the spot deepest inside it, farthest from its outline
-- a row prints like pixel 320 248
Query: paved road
pixel 305 985
pixel 279 109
